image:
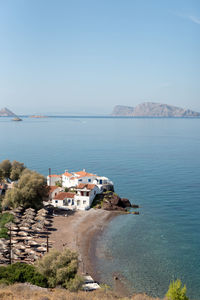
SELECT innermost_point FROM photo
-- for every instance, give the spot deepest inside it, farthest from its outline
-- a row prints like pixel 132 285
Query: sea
pixel 154 162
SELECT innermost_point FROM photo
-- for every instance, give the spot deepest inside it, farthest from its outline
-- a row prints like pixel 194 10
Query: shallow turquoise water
pixel 153 162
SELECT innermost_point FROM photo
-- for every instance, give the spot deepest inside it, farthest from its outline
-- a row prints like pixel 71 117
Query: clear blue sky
pixel 85 56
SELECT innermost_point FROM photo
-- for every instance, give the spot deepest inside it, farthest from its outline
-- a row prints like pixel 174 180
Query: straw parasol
pixel 41 249
pixel 24 228
pixel 22 233
pixel 33 243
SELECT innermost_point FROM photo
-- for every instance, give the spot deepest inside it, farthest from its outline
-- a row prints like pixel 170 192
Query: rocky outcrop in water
pixel 111 201
pixel 150 109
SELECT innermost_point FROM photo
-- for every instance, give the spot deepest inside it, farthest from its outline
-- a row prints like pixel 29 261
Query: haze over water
pixel 153 162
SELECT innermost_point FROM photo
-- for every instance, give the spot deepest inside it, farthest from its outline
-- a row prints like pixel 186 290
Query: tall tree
pixel 17 169
pixel 6 167
pixel 30 191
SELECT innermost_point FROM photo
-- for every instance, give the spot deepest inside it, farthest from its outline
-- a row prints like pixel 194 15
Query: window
pixel 69 201
pixel 87 194
pixel 56 201
pixel 84 201
pixel 89 180
pixel 100 181
pixel 78 202
pixel 80 180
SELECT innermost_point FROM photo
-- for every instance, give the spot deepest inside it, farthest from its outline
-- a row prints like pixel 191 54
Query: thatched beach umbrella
pixel 40 217
pixel 42 210
pixel 22 233
pixel 20 247
pixel 33 243
pixel 17 221
pixel 24 228
pixel 41 249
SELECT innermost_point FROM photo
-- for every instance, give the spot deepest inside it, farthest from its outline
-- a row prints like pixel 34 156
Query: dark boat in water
pixel 16 119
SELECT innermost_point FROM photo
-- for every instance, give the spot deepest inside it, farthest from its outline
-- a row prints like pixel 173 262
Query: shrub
pixel 176 291
pixel 60 268
pixel 21 272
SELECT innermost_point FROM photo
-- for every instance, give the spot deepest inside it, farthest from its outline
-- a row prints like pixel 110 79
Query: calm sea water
pixel 153 162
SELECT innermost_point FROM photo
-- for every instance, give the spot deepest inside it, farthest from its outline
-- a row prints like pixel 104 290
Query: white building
pixel 64 200
pixel 81 199
pixel 72 180
pixel 85 195
pixel 52 179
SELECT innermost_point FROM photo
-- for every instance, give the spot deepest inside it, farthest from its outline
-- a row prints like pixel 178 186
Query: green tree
pixel 58 183
pixel 30 191
pixel 16 170
pixel 176 291
pixel 60 268
pixel 6 167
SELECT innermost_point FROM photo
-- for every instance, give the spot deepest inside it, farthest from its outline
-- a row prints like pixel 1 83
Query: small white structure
pixel 64 200
pixel 52 179
pixel 85 195
pixel 89 283
pixel 81 199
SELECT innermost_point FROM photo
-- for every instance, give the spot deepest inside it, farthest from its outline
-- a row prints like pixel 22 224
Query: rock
pixel 125 202
pixel 151 109
pixel 135 206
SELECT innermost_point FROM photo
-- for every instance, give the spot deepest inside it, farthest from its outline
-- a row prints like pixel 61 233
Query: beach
pixel 78 231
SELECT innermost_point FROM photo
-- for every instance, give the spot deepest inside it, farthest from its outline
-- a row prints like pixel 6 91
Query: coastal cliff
pixel 151 109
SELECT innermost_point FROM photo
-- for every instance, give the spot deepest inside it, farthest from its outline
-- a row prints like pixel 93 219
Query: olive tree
pixel 6 167
pixel 29 191
pixel 16 170
pixel 60 268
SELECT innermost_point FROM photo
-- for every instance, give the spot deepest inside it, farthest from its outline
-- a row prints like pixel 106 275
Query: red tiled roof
pixel 84 174
pixel 88 186
pixel 54 175
pixel 53 188
pixel 63 195
pixel 67 174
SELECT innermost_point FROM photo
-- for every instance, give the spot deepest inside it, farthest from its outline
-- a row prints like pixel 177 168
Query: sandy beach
pixel 77 231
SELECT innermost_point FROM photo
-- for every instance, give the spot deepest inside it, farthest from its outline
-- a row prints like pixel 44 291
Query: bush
pixel 60 268
pixel 4 219
pixel 21 272
pixel 176 291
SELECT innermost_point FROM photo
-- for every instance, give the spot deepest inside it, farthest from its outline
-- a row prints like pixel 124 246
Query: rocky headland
pixel 111 201
pixel 151 109
pixel 5 112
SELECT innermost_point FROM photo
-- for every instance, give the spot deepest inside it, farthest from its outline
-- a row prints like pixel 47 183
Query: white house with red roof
pixel 81 199
pixel 64 200
pixel 73 179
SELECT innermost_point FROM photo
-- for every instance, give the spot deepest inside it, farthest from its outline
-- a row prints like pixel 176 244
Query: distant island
pixel 151 109
pixel 5 112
